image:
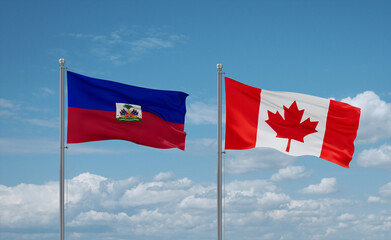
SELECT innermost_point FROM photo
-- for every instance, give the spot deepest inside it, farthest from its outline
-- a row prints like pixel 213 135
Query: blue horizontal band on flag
pixel 97 94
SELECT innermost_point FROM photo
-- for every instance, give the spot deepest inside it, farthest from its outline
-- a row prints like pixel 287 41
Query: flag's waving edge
pixel 104 110
pixel 293 123
pixel 342 126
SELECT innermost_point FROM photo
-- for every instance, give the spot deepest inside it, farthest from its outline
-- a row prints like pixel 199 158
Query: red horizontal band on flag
pixel 341 131
pixel 86 125
pixel 242 110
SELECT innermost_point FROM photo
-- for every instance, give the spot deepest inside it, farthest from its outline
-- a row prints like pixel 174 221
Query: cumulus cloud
pixel 315 207
pixel 290 173
pixel 239 162
pixel 375 157
pixel 375 120
pixel 143 224
pixel 164 176
pixel 326 186
pixel 198 202
pixel 250 187
pixel 28 205
pixel 119 206
pixel 245 196
pixel 95 218
pixel 272 200
pixel 170 208
pixel 155 192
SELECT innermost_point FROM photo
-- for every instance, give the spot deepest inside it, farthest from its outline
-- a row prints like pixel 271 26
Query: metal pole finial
pixel 219 66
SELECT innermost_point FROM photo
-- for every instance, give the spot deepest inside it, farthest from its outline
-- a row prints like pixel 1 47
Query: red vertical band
pixel 341 131
pixel 242 110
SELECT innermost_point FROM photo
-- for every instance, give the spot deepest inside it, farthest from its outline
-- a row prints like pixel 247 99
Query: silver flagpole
pixel 219 152
pixel 62 222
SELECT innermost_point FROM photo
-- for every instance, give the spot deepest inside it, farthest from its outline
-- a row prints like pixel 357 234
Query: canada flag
pixel 293 123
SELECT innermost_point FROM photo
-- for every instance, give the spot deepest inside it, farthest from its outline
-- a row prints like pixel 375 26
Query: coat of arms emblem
pixel 128 112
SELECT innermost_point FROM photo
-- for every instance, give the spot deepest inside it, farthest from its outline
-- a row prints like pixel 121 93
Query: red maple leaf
pixel 291 127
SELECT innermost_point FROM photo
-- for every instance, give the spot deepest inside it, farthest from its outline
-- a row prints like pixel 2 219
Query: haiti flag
pixel 106 110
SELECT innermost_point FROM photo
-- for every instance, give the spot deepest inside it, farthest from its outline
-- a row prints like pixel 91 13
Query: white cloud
pixel 245 196
pixel 83 185
pixel 28 205
pixel 290 173
pixel 160 224
pixel 201 113
pixel 6 113
pixel 194 202
pixel 127 44
pixel 48 91
pixel 375 120
pixel 44 123
pixel 8 108
pixel 99 218
pixel 374 199
pixel 156 192
pixel 181 209
pixel 319 208
pixel 375 157
pixel 239 162
pixel 12 109
pixel 21 146
pixel 326 186
pixel 270 200
pixel 250 187
pixel 385 190
pixel 4 103
pixel 278 214
pixel 147 208
pixel 149 43
pixel 164 176
pixel 346 217
pixel 44 92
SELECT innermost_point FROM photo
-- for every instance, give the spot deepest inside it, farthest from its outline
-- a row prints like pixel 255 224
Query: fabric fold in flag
pixel 293 123
pixel 106 110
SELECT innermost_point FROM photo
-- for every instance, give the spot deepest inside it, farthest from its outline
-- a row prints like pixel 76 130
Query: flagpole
pixel 219 152
pixel 62 222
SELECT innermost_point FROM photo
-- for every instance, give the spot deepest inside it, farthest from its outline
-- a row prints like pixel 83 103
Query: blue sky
pixel 120 190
